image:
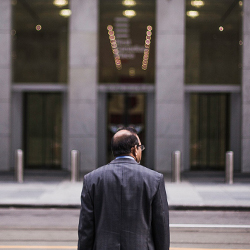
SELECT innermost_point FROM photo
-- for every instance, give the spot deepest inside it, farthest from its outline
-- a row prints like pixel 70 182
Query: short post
pixel 19 165
pixel 75 160
pixel 229 167
pixel 176 166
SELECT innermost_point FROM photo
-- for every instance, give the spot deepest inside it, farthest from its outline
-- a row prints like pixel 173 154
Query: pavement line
pixel 182 248
pixel 38 247
pixel 74 247
pixel 208 226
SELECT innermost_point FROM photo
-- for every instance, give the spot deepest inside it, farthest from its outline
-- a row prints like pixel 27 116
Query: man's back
pixel 124 207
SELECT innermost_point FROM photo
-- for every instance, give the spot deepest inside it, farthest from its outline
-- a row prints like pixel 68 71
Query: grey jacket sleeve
pixel 86 220
pixel 160 218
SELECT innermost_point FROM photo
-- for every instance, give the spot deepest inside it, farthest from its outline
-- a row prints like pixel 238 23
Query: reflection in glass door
pixel 125 110
pixel 43 130
pixel 209 131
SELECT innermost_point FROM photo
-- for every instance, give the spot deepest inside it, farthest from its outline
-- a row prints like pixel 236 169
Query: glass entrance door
pixel 43 130
pixel 209 131
pixel 126 109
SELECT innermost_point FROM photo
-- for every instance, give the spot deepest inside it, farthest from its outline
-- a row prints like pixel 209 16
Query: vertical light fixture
pixel 147 47
pixel 114 47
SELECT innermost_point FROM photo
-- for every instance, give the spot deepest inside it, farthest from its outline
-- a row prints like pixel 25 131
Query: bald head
pixel 123 141
pixel 122 132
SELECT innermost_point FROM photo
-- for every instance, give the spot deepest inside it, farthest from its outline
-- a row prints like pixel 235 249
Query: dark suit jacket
pixel 123 207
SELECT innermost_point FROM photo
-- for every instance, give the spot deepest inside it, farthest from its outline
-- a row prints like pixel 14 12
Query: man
pixel 123 204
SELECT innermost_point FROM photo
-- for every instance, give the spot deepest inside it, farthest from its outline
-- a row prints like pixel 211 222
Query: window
pixel 40 41
pixel 127 41
pixel 213 42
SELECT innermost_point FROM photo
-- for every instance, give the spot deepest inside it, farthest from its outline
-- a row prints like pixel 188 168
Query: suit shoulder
pixel 96 172
pixel 150 173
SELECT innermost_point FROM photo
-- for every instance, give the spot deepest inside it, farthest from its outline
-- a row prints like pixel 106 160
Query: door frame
pixel 18 91
pixel 234 92
pixel 149 91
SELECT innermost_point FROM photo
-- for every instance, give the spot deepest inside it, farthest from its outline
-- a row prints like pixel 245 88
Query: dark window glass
pixel 213 42
pixel 209 131
pixel 40 41
pixel 127 41
pixel 43 130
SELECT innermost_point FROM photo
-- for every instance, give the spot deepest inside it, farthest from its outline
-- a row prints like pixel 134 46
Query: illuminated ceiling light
pixel 111 33
pixel 38 27
pixel 129 13
pixel 149 33
pixel 197 3
pixel 60 3
pixel 129 3
pixel 65 12
pixel 110 27
pixel 221 28
pixel 193 13
pixel 240 3
pixel 147 41
pixel 131 71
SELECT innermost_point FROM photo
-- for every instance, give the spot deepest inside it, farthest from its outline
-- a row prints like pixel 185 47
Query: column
pixel 169 81
pixel 245 138
pixel 83 81
pixel 5 83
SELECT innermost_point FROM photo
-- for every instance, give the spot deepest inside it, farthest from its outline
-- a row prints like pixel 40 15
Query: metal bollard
pixel 176 166
pixel 75 163
pixel 229 167
pixel 19 165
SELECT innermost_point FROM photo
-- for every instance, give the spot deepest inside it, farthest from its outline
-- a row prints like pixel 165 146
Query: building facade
pixel 72 72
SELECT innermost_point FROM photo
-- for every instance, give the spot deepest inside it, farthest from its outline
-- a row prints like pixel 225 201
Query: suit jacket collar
pixel 124 160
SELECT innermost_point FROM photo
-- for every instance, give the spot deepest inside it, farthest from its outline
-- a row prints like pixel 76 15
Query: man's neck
pixel 125 156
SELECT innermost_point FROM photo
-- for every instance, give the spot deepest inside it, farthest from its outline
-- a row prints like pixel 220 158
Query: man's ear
pixel 136 149
pixel 133 151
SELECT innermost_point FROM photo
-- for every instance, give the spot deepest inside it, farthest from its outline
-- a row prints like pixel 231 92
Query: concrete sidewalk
pixel 206 191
